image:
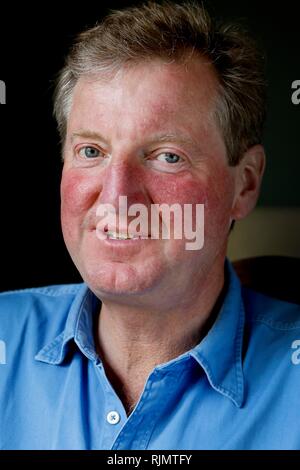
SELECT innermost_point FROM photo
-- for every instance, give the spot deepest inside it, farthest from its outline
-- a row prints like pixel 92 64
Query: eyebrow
pixel 86 134
pixel 161 138
pixel 175 138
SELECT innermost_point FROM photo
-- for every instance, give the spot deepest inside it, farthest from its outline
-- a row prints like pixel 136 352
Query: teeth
pixel 119 236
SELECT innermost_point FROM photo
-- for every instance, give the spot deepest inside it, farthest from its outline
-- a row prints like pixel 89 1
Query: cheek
pixel 171 189
pixel 215 191
pixel 78 192
pixel 219 205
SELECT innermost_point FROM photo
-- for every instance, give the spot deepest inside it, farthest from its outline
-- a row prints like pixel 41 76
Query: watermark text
pixel 2 352
pixel 2 92
pixel 159 221
pixel 296 354
pixel 296 93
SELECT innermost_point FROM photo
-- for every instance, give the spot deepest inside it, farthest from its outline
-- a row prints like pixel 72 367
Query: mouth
pixel 111 235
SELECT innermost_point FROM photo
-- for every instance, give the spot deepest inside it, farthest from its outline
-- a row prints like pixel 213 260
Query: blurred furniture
pixel 266 231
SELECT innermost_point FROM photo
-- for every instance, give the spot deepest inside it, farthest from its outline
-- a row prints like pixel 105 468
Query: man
pixel 160 348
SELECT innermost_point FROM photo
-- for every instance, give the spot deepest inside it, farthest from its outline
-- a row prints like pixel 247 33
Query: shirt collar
pixel 219 353
pixel 79 327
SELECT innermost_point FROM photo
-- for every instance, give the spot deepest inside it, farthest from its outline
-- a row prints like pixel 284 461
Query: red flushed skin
pixel 142 113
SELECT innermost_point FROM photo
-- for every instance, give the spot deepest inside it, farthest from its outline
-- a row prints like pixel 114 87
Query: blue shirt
pixel 237 389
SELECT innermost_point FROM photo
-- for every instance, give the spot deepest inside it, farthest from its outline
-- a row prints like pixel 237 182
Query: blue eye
pixel 169 157
pixel 89 152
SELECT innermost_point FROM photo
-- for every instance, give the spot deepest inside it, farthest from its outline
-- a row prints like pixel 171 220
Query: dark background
pixel 33 42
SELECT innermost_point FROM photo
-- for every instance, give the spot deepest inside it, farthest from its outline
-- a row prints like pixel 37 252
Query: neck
pixel 132 341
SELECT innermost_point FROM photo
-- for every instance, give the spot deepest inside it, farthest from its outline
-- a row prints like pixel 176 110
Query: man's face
pixel 148 134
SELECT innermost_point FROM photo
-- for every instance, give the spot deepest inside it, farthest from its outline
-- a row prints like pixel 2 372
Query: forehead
pixel 149 95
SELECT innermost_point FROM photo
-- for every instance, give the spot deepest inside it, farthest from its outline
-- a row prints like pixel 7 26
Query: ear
pixel 249 173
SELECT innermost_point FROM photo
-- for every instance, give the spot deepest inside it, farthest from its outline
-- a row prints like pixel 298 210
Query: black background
pixel 33 42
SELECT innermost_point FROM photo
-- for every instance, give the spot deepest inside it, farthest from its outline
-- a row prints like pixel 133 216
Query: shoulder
pixel 48 291
pixel 273 328
pixel 276 314
pixel 39 300
pixel 38 312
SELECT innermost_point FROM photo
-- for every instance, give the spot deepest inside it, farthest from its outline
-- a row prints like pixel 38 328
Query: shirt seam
pixel 278 325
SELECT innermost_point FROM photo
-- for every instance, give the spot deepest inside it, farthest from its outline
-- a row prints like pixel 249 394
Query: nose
pixel 123 179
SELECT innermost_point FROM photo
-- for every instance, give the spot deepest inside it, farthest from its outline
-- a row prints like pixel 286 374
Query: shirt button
pixel 113 417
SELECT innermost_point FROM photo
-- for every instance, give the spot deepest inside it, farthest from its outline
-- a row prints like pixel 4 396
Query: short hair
pixel 172 31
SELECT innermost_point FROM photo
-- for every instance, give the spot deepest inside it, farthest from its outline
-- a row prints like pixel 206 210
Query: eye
pixel 168 157
pixel 89 152
pixel 167 162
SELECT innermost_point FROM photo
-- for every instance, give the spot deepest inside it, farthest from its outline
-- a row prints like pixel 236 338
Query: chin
pixel 119 279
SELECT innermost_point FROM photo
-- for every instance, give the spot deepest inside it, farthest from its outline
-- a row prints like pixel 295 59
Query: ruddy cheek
pixel 219 204
pixel 181 189
pixel 78 192
pixel 214 191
